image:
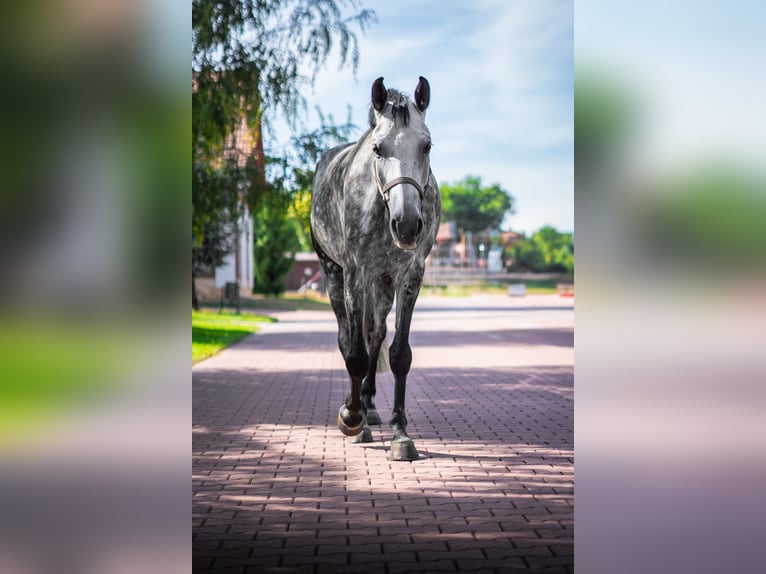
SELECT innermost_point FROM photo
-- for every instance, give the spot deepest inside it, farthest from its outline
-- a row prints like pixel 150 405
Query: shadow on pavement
pixel 278 488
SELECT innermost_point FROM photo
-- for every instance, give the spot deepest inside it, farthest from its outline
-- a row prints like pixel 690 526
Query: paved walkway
pixel 278 488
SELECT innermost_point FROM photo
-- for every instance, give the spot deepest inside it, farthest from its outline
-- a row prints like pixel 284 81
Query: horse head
pixel 400 144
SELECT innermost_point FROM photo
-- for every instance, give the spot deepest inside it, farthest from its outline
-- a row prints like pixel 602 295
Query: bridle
pixel 385 190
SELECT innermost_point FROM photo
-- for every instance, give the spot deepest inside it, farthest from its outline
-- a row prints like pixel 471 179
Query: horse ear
pixel 422 94
pixel 379 95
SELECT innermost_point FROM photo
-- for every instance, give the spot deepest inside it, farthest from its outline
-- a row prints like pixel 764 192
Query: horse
pixel 375 212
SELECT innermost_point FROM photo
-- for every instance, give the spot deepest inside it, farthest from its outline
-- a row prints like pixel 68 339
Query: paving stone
pixel 395 567
pixel 277 488
pixel 469 565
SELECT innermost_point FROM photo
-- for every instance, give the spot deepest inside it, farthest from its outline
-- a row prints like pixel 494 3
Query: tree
pixel 527 257
pixel 306 150
pixel 473 207
pixel 299 213
pixel 252 59
pixel 216 212
pixel 275 242
pixel 281 223
pixel 547 250
pixel 248 56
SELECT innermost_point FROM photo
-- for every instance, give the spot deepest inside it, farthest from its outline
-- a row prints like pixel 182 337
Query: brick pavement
pixel 277 488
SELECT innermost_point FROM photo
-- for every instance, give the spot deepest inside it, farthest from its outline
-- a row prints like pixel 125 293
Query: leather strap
pixel 385 190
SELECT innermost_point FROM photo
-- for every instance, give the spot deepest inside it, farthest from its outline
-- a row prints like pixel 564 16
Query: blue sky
pixel 501 75
pixel 694 70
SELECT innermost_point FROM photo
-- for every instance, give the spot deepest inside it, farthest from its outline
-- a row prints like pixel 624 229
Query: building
pixel 454 249
pixel 245 145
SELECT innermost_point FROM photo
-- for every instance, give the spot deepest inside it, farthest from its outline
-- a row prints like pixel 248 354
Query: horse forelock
pixel 398 104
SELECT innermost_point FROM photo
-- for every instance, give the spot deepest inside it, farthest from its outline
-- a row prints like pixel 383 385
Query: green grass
pixel 52 369
pixel 287 302
pixel 212 331
pixel 539 287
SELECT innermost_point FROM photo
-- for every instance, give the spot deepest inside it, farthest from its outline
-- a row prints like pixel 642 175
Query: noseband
pixel 385 190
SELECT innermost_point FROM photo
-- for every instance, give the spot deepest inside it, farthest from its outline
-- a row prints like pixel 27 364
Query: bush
pixel 547 251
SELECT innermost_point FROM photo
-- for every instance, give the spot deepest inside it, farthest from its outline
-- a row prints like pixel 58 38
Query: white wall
pixel 244 251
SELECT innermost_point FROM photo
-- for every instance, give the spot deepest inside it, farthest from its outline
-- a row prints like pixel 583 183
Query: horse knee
pixel 356 363
pixel 400 359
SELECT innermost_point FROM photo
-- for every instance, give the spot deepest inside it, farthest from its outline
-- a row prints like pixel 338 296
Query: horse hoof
pixel 364 436
pixel 373 418
pixel 403 450
pixel 351 429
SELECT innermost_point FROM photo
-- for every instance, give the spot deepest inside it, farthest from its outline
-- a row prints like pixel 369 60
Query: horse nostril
pixel 420 226
pixel 393 226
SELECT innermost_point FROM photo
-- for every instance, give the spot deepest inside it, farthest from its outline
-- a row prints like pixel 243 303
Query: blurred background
pixel 94 382
pixel 669 203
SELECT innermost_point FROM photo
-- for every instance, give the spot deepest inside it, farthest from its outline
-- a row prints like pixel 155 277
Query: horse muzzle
pixel 406 232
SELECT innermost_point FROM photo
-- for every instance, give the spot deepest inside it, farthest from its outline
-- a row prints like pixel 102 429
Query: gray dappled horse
pixel 375 212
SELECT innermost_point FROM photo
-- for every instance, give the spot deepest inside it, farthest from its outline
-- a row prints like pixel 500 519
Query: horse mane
pixel 399 107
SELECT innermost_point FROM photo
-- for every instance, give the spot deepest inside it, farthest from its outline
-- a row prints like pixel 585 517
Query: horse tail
pixel 368 326
pixel 383 365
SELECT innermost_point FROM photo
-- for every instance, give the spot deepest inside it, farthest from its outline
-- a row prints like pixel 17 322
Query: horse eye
pixel 427 148
pixel 376 149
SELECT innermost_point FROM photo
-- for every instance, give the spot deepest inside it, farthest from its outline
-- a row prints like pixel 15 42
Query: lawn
pixel 212 331
pixel 537 287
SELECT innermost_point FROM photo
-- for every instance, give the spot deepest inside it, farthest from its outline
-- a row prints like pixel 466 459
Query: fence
pixel 445 276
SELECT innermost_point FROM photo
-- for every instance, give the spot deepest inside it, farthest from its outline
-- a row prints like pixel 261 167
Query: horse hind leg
pixel 379 305
pixel 371 416
pixel 369 383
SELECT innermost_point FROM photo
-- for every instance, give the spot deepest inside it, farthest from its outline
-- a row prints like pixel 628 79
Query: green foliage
pixel 527 257
pixel 249 60
pixel 211 332
pixel 473 207
pixel 299 213
pixel 249 55
pixel 276 241
pixel 547 251
pixel 306 150
pixel 604 118
pixel 52 369
pixel 307 147
pixel 706 215
pixel 220 195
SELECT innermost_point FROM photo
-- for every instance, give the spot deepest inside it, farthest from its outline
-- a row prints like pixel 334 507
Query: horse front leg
pixel 402 446
pixel 351 413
